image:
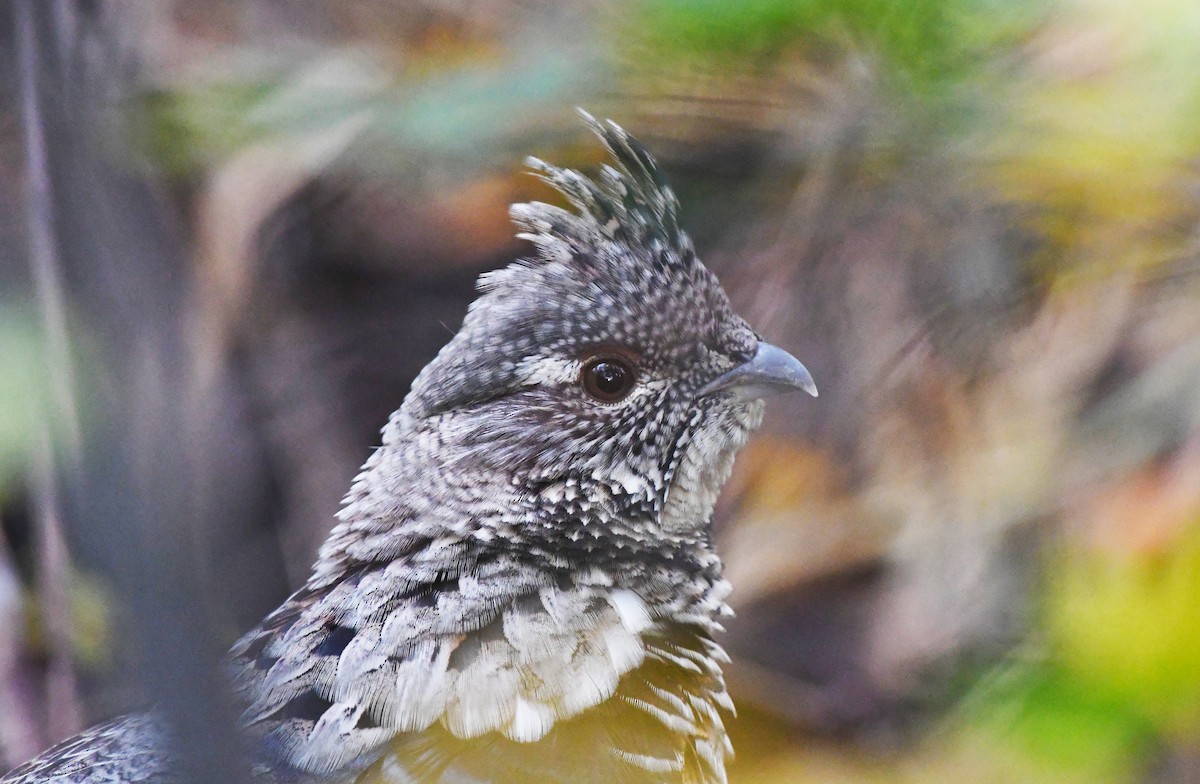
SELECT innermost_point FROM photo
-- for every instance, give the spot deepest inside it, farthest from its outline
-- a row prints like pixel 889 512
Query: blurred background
pixel 232 232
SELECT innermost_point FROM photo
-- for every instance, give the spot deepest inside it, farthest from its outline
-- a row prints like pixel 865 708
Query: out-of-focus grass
pixel 1118 671
pixel 916 36
pixel 1126 626
pixel 29 423
pixel 1043 718
pixel 91 607
pixel 24 386
pixel 33 389
pixel 459 112
pixel 1100 125
pixel 924 47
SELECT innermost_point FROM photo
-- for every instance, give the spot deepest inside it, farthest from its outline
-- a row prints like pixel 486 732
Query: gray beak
pixel 771 371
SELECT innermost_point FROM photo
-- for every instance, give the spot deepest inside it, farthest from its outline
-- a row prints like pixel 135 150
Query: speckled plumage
pixel 521 586
pixel 129 750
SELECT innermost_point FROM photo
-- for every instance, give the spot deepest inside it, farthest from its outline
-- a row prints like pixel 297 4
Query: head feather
pixel 629 203
pixel 617 269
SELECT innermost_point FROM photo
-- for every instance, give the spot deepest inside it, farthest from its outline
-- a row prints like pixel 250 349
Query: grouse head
pixel 606 381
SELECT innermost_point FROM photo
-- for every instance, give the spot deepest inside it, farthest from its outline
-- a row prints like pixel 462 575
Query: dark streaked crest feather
pixel 629 203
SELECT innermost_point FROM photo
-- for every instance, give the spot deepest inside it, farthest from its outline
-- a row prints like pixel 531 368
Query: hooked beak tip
pixel 771 371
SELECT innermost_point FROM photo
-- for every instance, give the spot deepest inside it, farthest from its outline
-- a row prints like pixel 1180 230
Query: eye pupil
pixel 607 379
pixel 610 377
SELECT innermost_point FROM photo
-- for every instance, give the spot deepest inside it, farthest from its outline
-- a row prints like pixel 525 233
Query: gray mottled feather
pixel 129 750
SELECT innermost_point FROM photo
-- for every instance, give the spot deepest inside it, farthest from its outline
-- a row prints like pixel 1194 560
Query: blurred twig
pixel 44 259
pixel 138 511
pixel 64 715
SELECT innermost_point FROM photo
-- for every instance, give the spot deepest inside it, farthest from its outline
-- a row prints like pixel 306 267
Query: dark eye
pixel 607 378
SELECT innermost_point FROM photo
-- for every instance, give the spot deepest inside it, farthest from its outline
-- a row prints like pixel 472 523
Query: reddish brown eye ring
pixel 607 379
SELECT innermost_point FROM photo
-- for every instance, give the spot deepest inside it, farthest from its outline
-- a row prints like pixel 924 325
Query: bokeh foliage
pixel 1074 124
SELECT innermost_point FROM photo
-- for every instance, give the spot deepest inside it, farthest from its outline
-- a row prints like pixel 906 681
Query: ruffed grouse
pixel 522 586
